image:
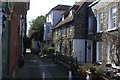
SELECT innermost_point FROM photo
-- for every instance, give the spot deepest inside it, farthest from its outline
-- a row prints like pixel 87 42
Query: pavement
pixel 38 67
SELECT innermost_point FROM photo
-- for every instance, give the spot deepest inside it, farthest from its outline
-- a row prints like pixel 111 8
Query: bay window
pixel 100 22
pixel 99 51
pixel 112 18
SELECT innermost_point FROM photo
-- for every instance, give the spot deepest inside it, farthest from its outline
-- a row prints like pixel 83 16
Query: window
pixel 99 51
pixel 63 18
pixel 63 32
pixel 90 26
pixel 47 29
pixel 70 30
pixel 100 22
pixel 111 53
pixel 71 12
pixel 112 18
pixel 56 34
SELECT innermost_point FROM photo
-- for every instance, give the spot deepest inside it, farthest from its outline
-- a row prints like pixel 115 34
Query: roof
pixel 68 19
pixel 60 7
pixel 76 6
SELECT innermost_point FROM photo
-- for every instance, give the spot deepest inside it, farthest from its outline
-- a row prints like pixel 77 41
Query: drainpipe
pixel 8 47
pixel 0 43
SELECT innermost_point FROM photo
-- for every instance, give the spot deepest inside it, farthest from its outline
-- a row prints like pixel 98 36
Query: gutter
pixel 95 2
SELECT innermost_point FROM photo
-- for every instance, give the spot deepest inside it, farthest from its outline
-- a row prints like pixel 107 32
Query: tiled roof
pixel 68 19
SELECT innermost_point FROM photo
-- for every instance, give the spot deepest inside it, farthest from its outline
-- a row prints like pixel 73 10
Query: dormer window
pixel 71 12
pixel 63 18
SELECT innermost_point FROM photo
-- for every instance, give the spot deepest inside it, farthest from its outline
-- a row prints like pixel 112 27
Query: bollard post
pixel 70 75
pixel 43 76
pixel 88 77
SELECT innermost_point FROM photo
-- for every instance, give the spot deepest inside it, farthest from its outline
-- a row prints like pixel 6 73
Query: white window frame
pixel 63 17
pixel 89 43
pixel 108 55
pixel 71 12
pixel 90 22
pixel 99 27
pixel 98 53
pixel 70 30
pixel 110 21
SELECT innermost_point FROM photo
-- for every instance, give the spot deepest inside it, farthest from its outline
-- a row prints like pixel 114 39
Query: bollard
pixel 88 77
pixel 70 75
pixel 43 76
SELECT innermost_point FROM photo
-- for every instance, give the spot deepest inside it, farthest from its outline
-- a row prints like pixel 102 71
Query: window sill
pixel 90 32
pixel 99 31
pixel 112 29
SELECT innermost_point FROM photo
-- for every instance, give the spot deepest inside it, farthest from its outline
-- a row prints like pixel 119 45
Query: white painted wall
pixel 51 20
pixel 57 15
pixel 79 50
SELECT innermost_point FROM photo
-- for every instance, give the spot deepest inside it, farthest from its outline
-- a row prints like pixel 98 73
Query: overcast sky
pixel 42 7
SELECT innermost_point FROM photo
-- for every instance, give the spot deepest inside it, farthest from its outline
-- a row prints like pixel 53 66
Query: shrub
pixel 44 51
pixel 92 69
pixel 100 70
pixel 50 50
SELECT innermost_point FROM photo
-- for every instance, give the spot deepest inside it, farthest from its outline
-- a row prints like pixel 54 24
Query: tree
pixel 36 30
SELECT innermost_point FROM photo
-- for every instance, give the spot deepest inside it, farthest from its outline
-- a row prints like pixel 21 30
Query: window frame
pixel 90 25
pixel 110 19
pixel 99 53
pixel 99 27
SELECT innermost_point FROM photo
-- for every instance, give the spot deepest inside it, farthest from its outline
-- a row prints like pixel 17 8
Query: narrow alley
pixel 36 66
pixel 60 39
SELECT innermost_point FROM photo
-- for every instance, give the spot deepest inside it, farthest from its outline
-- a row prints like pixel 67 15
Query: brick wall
pixel 14 43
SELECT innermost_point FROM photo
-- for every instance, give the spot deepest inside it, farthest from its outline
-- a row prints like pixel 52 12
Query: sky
pixel 42 7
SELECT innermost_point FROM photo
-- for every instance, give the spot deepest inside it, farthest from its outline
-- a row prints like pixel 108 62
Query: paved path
pixel 35 66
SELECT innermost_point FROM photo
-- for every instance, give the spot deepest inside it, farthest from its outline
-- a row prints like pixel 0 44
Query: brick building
pixel 71 32
pixel 89 31
pixel 10 35
pixel 105 17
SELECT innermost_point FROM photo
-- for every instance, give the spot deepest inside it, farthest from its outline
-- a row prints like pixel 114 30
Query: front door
pixel 89 51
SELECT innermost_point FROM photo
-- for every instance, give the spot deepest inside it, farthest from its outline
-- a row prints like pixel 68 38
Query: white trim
pixel 112 29
pixel 109 19
pixel 98 22
pixel 97 50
